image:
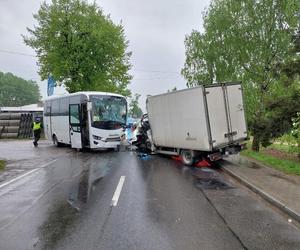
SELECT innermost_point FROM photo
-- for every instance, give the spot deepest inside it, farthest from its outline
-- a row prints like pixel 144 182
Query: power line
pixel 138 70
pixel 158 78
pixel 16 53
pixel 156 71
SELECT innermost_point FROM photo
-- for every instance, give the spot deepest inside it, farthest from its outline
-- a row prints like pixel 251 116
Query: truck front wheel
pixel 188 157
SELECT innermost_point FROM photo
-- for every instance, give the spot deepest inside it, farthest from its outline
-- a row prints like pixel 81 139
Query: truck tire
pixel 188 157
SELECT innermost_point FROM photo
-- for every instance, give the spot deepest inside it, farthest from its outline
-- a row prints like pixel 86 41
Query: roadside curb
pixel 263 194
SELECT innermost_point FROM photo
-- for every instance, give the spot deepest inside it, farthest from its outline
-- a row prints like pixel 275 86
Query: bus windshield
pixel 108 112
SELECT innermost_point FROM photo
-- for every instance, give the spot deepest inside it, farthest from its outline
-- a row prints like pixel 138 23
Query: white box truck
pixel 201 122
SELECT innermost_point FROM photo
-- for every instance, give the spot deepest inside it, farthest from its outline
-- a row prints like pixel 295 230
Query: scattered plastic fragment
pixel 200 164
pixel 144 157
pixel 203 163
pixel 176 158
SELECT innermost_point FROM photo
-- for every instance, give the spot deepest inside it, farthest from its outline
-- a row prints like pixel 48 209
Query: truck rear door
pixel 217 115
pixel 226 114
pixel 236 112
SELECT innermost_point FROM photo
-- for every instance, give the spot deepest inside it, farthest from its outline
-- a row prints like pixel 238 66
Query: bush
pixel 288 139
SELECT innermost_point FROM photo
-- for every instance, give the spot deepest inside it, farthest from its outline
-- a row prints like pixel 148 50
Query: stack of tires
pixel 15 125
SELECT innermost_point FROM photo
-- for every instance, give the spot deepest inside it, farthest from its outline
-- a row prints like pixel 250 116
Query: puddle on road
pixel 212 183
pixel 81 190
pixel 58 223
pixel 77 192
pixel 206 178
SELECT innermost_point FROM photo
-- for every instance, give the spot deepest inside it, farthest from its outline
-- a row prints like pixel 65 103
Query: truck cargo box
pixel 201 118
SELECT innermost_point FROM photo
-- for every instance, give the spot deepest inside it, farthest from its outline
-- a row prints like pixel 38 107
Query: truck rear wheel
pixel 188 157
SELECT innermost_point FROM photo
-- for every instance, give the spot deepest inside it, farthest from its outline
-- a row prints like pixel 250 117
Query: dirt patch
pixel 281 176
pixel 281 155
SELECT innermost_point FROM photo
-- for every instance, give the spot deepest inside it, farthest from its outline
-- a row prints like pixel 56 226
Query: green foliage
pixel 285 148
pixel 248 41
pixel 134 110
pixel 15 91
pixel 281 106
pixel 296 131
pixel 287 139
pixel 80 47
pixel 291 67
pixel 287 166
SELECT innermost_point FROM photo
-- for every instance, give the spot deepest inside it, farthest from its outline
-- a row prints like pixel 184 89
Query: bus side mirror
pixel 89 106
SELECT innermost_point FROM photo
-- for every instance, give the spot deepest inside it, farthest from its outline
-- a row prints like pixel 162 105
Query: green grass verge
pixel 287 166
pixel 2 165
pixel 284 148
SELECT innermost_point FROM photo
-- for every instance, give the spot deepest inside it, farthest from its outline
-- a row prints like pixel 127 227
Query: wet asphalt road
pixel 65 203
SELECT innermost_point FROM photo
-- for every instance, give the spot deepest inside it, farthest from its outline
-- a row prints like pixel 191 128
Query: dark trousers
pixel 37 135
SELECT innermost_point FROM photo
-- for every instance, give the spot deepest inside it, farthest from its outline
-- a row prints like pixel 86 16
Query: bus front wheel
pixel 56 142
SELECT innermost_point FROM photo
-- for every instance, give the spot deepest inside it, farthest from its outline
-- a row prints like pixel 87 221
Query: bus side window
pixel 55 107
pixel 74 114
pixel 64 106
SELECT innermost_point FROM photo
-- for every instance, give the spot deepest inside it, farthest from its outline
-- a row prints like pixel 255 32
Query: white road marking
pixel 47 164
pixel 117 193
pixel 27 173
pixel 19 177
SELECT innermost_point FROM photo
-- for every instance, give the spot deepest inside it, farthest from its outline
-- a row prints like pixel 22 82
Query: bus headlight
pixel 97 137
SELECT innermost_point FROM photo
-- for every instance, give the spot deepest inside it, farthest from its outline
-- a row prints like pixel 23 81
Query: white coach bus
pixel 86 119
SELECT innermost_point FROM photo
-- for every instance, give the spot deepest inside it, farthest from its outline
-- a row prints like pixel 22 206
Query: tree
pixel 247 41
pixel 15 91
pixel 80 47
pixel 289 72
pixel 134 110
pixel 280 110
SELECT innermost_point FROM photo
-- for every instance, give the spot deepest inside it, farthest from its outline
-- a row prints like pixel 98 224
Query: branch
pixel 250 71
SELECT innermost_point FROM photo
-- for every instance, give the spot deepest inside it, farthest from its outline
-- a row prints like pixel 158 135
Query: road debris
pixel 144 156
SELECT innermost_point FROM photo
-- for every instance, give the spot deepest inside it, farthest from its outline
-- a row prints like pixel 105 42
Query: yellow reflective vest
pixel 36 126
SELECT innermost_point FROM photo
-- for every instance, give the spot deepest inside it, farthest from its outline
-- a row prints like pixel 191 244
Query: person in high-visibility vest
pixel 37 129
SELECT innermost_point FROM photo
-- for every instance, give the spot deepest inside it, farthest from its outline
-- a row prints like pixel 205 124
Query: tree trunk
pixel 255 143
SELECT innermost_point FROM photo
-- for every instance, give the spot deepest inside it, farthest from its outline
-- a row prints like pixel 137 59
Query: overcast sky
pixel 155 29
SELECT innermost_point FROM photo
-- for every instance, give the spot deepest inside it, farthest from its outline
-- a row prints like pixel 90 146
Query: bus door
pixel 85 125
pixel 75 126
